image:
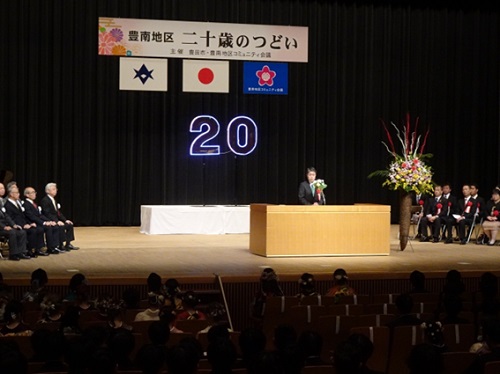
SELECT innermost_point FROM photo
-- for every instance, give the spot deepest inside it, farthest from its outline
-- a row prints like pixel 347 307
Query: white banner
pixel 202 40
pixel 143 74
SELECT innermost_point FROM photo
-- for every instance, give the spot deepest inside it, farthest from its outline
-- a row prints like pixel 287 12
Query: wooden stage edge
pixel 122 255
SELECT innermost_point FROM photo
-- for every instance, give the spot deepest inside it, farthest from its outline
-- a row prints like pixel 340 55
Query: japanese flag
pixel 205 76
pixel 143 74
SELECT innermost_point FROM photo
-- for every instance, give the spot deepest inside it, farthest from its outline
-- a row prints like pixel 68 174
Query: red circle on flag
pixel 206 76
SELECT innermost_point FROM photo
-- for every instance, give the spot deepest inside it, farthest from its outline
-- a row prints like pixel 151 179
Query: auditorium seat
pixel 404 338
pixel 459 337
pixel 425 307
pixel 389 298
pixel 320 369
pixel 380 337
pixel 333 330
pixel 425 297
pixel 375 319
pixel 457 362
pixel 346 309
pixel 301 317
pixel 492 367
pixel 349 299
pixel 380 308
pixel 312 300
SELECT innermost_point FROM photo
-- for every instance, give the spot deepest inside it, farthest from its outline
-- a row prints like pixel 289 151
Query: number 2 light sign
pixel 241 136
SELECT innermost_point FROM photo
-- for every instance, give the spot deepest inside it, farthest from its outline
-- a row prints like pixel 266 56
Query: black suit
pixel 467 211
pixel 434 207
pixel 34 215
pixel 306 196
pixel 54 214
pixel 34 234
pixel 481 208
pixel 17 238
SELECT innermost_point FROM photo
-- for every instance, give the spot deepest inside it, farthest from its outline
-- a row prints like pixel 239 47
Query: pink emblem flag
pixel 205 76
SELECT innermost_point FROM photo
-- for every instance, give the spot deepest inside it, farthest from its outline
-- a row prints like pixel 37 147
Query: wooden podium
pixel 326 230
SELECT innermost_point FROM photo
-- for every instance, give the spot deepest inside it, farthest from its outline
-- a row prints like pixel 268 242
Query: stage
pixel 123 254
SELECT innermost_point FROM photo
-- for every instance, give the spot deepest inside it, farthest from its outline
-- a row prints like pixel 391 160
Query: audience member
pixel 169 316
pixel 12 360
pixel 39 280
pixel 152 313
pixel 15 235
pixel 310 344
pixel 189 303
pixel 221 354
pixel 131 298
pixel 182 359
pixel 172 291
pixel 365 348
pixel 13 317
pixel 159 333
pixel 340 285
pixel 404 304
pixel 306 286
pixel 252 342
pixel 151 358
pixel 434 215
pixel 269 287
pixel 121 344
pixel 417 281
pixel 52 308
pixel 491 348
pixel 434 334
pixel 286 350
pixel 74 283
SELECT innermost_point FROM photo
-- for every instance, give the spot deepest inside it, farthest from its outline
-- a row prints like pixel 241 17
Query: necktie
pixel 19 205
pixel 312 189
pixel 34 204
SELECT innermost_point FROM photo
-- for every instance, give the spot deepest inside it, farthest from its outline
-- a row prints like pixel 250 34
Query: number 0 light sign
pixel 241 136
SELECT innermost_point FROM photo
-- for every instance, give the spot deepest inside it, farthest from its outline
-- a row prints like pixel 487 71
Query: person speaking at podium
pixel 308 193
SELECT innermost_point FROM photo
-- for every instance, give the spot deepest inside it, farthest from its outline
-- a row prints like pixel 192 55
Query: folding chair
pixel 380 337
pixel 472 226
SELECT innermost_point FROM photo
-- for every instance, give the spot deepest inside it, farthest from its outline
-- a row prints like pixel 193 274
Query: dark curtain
pixel 64 119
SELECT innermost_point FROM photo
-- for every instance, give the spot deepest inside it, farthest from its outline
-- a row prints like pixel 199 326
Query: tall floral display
pixel 407 172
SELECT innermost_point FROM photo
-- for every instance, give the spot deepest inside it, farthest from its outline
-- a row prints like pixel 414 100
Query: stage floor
pixel 122 253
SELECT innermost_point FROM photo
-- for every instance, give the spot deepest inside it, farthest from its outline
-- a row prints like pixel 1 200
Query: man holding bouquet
pixel 311 190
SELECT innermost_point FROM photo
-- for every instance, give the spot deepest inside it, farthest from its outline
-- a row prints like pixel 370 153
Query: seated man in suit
pixel 34 233
pixel 34 215
pixel 466 209
pixel 435 209
pixel 307 194
pixel 16 236
pixel 51 210
pixel 481 208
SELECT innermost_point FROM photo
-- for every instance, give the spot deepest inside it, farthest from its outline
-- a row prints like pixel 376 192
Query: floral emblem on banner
pixel 265 76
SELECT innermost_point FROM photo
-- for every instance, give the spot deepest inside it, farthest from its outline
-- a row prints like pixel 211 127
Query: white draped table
pixel 195 219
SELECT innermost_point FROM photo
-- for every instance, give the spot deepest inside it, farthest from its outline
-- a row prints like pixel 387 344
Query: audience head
pixel 425 359
pixel 364 345
pixel 252 342
pixel 434 333
pixel 310 344
pixel 168 314
pixel 347 358
pixel 222 355
pixel 217 332
pixel 155 301
pixel 285 337
pixel 269 282
pixel 190 300
pixel 51 189
pixel 306 284
pixel 182 359
pixel 217 312
pixel 453 283
pixel 51 306
pixel 154 283
pixel 340 277
pixel 267 363
pixel 404 303
pixel 76 281
pixel 39 278
pixel 172 287
pixel 417 280
pixel 13 311
pixel 150 358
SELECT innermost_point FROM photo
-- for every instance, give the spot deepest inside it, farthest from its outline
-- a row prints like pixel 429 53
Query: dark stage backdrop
pixel 63 118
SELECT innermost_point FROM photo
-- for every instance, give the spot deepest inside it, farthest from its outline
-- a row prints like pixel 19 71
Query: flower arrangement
pixel 319 185
pixel 408 170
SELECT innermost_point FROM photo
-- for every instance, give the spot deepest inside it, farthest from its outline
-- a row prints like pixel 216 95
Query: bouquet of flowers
pixel 408 170
pixel 319 185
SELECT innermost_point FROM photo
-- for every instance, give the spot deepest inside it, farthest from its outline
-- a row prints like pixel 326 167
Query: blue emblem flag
pixel 265 78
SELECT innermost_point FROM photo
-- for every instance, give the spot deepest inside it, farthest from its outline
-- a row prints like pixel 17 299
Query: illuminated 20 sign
pixel 241 136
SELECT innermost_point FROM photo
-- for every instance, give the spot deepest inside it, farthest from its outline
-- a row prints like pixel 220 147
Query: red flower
pixel 495 213
pixel 439 205
pixel 404 165
pixel 469 203
pixel 415 161
pixel 318 191
pixel 449 203
pixel 421 202
pixel 413 168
